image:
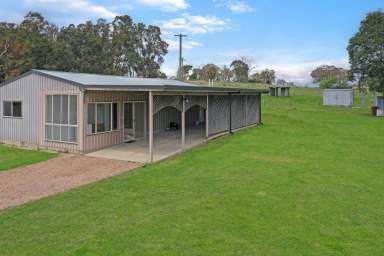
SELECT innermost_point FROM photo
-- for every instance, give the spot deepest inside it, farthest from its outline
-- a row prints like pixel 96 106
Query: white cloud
pixel 167 5
pixel 174 44
pixel 66 11
pixel 194 24
pixel 169 71
pixel 239 7
pixel 235 6
pixel 291 67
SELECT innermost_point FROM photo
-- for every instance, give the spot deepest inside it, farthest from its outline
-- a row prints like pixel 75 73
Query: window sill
pixel 63 142
pixel 99 133
pixel 13 117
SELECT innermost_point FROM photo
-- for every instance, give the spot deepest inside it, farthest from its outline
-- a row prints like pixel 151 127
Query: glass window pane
pixel 72 134
pixel 64 133
pixel 56 109
pixel 100 126
pixel 48 109
pixel 107 119
pixel 91 127
pixel 114 116
pixel 128 115
pixel 48 132
pixel 7 108
pixel 17 106
pixel 64 109
pixel 73 110
pixel 56 132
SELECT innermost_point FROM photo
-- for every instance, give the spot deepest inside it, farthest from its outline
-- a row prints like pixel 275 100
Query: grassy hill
pixel 309 181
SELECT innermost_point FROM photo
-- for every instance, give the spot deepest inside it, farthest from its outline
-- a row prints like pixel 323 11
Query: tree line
pixel 238 71
pixel 120 47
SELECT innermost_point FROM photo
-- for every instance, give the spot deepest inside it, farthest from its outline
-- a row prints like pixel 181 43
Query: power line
pixel 180 70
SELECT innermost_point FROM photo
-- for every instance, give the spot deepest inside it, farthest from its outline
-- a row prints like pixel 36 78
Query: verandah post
pixel 150 124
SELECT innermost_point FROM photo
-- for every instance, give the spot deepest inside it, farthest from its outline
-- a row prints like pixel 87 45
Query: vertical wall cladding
pixel 239 113
pixel 253 112
pixel 29 129
pixel 218 113
pixel 94 142
pixel 338 97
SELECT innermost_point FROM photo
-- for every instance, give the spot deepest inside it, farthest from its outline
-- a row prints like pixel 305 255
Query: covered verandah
pixel 166 122
pixel 165 144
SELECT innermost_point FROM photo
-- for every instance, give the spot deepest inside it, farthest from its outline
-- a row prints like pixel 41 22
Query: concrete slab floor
pixel 166 144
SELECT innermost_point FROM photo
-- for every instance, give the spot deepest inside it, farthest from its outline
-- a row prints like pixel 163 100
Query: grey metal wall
pixel 239 111
pixel 253 109
pixel 29 129
pixel 338 97
pixel 245 110
pixel 218 114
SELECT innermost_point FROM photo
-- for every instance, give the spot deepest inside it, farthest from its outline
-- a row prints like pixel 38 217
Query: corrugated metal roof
pixel 109 82
pixel 105 80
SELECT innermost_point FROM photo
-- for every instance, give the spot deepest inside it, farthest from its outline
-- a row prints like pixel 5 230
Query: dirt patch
pixel 29 183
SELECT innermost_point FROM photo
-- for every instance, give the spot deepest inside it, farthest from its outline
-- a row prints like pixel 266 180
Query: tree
pixel 240 70
pixel 281 82
pixel 325 72
pixel 366 51
pixel 226 74
pixel 121 47
pixel 151 50
pixel 256 77
pixel 196 74
pixel 268 76
pixel 210 71
pixel 186 70
pixel 327 83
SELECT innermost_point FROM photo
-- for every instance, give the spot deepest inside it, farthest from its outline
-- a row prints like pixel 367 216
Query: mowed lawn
pixel 310 181
pixel 12 157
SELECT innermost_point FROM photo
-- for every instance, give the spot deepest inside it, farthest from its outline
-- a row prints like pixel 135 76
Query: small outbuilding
pixel 274 91
pixel 83 113
pixel 339 97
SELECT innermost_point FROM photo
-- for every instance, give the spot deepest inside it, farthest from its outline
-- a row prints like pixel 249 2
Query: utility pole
pixel 180 71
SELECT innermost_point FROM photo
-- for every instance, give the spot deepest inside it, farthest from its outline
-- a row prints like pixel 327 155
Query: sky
pixel 290 36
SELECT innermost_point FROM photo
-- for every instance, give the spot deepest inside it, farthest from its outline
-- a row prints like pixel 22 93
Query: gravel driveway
pixel 32 182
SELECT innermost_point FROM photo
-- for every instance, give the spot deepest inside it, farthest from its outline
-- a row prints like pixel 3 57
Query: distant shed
pixel 338 97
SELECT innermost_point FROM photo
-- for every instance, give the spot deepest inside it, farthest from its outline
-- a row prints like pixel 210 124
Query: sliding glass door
pixel 134 120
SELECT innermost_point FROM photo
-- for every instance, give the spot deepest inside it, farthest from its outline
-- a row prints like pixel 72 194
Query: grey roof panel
pixel 105 80
pixel 110 82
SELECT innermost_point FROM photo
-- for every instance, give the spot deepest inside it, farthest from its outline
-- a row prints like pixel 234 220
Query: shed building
pixel 338 97
pixel 83 113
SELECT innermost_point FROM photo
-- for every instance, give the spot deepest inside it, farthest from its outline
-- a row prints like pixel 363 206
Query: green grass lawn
pixel 310 181
pixel 12 157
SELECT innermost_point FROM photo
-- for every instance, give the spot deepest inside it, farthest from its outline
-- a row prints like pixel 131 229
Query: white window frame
pixel 12 116
pixel 111 115
pixel 61 125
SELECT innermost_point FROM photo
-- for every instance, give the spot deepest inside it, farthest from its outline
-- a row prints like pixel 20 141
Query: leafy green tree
pixel 151 50
pixel 268 76
pixel 196 74
pixel 366 51
pixel 326 72
pixel 327 83
pixel 256 77
pixel 210 71
pixel 226 74
pixel 186 70
pixel 240 70
pixel 121 47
